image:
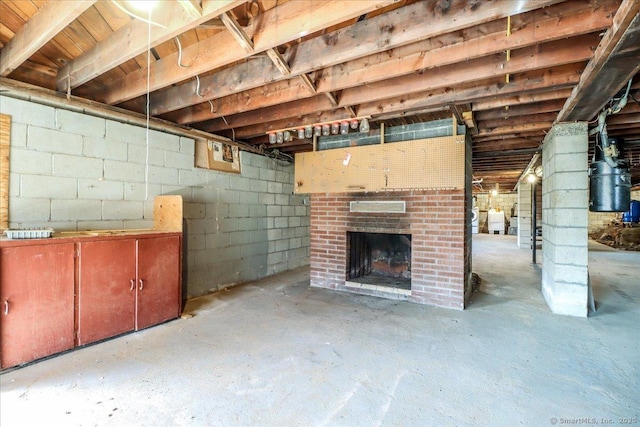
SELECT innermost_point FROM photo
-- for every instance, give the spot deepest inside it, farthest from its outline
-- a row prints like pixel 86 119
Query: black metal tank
pixel 609 186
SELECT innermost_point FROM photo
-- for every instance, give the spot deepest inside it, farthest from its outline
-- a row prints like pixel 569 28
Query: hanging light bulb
pixel 364 125
pixel 279 137
pixel 301 133
pixel 325 130
pixel 317 130
pixel 354 124
pixel 308 132
pixel 287 136
pixel 344 128
pixel 335 128
pixel 272 138
pixel 143 5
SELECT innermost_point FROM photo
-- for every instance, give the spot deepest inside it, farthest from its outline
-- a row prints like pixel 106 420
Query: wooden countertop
pixel 85 235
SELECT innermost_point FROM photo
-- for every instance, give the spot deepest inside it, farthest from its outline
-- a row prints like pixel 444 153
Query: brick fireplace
pixel 421 253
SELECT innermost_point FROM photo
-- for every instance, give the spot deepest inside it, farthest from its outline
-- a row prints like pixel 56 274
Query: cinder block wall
pixel 71 171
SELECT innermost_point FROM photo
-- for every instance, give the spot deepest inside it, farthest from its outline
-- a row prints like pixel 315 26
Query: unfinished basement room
pixel 319 213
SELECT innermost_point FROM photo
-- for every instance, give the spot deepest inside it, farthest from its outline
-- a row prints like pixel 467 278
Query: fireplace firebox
pixel 379 259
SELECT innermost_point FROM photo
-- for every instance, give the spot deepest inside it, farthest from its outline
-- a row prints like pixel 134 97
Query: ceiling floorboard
pixel 44 25
pixel 132 40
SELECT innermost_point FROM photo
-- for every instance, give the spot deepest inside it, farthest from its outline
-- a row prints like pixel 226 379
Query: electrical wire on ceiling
pixel 198 87
pixel 180 53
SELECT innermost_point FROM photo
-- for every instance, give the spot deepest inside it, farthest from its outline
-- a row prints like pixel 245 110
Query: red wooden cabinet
pixel 127 285
pixel 59 293
pixel 159 295
pixel 106 289
pixel 37 296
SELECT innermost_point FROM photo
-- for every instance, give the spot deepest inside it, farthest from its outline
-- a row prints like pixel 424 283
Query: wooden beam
pixel 548 55
pixel 531 118
pixel 404 26
pixel 504 146
pixel 621 119
pixel 615 61
pixel 132 40
pixel 279 61
pixel 306 106
pixel 361 39
pixel 434 100
pixel 486 138
pixel 528 98
pixel 237 32
pixel 558 78
pixel 261 97
pixel 260 129
pixel 45 24
pixel 515 129
pixel 192 7
pixel 434 53
pixel 270 29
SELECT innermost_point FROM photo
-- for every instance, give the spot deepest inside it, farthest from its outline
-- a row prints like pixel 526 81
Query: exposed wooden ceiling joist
pixel 172 19
pixel 360 40
pixel 611 67
pixel 425 55
pixel 560 78
pixel 273 28
pixel 46 23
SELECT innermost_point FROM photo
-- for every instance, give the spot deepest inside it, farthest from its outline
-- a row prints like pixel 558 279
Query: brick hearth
pixel 434 218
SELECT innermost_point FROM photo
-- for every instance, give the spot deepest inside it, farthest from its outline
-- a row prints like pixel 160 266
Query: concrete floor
pixel 276 352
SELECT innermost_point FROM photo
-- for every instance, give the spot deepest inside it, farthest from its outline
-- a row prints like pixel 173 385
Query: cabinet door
pixel 159 290
pixel 37 295
pixel 106 289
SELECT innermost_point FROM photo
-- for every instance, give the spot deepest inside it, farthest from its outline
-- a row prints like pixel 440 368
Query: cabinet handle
pixel 133 284
pixel 6 307
pixel 141 284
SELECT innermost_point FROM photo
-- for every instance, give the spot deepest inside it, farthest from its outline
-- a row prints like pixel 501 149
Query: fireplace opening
pixel 379 259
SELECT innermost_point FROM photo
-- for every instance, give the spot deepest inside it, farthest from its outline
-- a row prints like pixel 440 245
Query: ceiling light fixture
pixel 133 15
pixel 143 5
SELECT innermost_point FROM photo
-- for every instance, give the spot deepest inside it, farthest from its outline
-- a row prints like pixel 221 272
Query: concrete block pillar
pixel 565 219
pixel 524 214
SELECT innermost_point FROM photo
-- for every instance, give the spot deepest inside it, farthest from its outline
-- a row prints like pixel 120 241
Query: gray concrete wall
pixel 565 219
pixel 71 171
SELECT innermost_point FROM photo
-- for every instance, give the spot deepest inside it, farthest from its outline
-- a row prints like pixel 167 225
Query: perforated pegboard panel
pixel 425 163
